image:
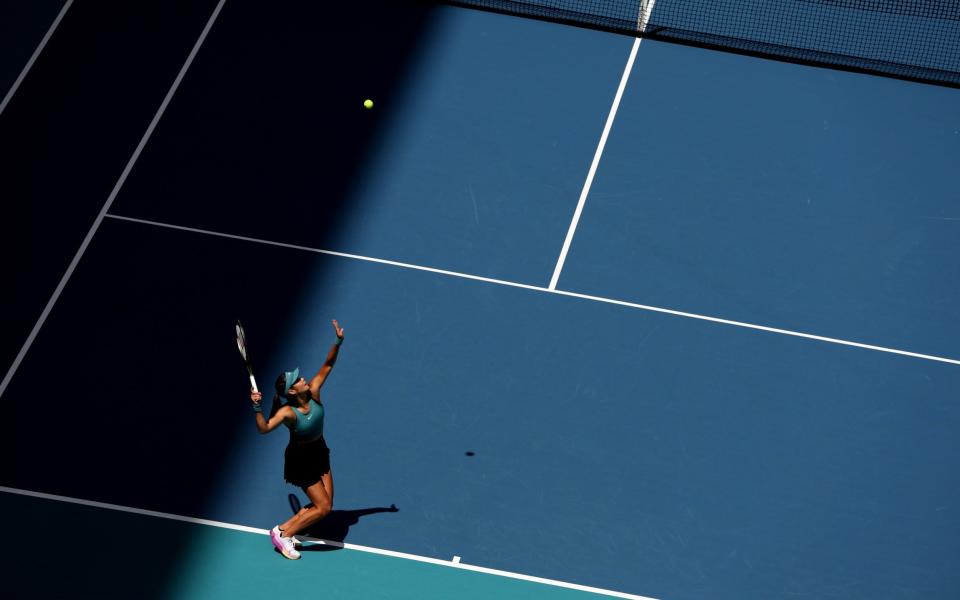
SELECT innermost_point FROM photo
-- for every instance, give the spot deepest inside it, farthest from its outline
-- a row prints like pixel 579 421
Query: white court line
pixel 109 202
pixel 33 58
pixel 593 166
pixel 535 288
pixel 643 17
pixel 357 547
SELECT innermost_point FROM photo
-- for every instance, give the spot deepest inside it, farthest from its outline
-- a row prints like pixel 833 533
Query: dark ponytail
pixel 280 389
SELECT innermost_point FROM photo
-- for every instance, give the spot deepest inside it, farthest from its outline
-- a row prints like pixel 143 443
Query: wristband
pixel 338 342
pixel 257 407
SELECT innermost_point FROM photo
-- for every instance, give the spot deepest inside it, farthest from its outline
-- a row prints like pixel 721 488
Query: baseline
pixel 425 559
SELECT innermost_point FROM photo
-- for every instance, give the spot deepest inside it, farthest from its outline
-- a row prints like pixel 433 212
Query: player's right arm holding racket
pixel 278 414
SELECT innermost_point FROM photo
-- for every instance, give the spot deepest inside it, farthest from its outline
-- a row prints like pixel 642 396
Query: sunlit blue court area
pixel 651 299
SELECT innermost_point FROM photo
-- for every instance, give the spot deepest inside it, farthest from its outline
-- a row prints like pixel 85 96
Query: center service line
pixel 643 18
pixel 593 165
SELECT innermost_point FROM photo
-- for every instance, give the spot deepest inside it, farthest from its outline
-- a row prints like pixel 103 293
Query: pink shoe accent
pixel 275 538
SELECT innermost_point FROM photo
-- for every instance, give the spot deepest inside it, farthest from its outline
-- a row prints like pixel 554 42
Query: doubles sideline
pixel 33 58
pixel 113 194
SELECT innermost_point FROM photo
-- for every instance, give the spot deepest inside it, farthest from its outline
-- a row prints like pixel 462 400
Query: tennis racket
pixel 242 345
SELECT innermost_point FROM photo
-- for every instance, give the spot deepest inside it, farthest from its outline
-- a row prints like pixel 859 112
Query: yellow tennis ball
pixel 368 103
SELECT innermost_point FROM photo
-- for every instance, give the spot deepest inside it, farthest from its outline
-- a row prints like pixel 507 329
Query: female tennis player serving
pixel 307 458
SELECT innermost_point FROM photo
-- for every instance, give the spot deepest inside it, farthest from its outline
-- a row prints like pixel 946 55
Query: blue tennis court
pixel 622 319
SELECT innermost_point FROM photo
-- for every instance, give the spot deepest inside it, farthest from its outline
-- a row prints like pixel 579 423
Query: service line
pixel 645 307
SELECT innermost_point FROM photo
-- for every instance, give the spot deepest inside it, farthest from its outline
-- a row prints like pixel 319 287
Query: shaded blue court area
pixel 606 434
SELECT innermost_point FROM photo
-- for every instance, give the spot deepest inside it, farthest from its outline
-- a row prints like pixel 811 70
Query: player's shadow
pixel 335 526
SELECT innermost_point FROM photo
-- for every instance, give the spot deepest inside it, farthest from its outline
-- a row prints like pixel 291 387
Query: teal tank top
pixel 309 426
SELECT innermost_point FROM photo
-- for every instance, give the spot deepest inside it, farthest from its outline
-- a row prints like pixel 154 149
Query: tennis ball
pixel 368 103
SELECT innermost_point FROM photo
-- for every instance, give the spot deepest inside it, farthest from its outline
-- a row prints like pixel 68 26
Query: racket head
pixel 242 345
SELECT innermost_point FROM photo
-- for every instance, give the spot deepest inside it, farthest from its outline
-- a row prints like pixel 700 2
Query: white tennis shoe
pixel 284 544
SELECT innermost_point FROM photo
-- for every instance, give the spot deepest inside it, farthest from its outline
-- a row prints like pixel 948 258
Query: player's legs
pixel 286 524
pixel 327 482
pixel 321 503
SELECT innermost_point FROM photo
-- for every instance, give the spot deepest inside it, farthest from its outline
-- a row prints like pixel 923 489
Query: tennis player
pixel 307 457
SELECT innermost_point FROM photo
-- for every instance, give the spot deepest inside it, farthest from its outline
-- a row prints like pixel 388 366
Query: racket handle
pixel 253 383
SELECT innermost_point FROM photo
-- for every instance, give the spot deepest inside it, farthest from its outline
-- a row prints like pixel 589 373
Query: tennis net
pixel 917 40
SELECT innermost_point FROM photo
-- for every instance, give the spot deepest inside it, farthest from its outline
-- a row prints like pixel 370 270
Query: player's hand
pixel 338 329
pixel 255 397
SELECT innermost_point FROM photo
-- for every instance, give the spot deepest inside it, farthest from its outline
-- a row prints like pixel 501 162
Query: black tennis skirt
pixel 305 463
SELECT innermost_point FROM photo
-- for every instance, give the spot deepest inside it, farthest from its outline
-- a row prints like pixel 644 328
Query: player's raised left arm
pixel 321 375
